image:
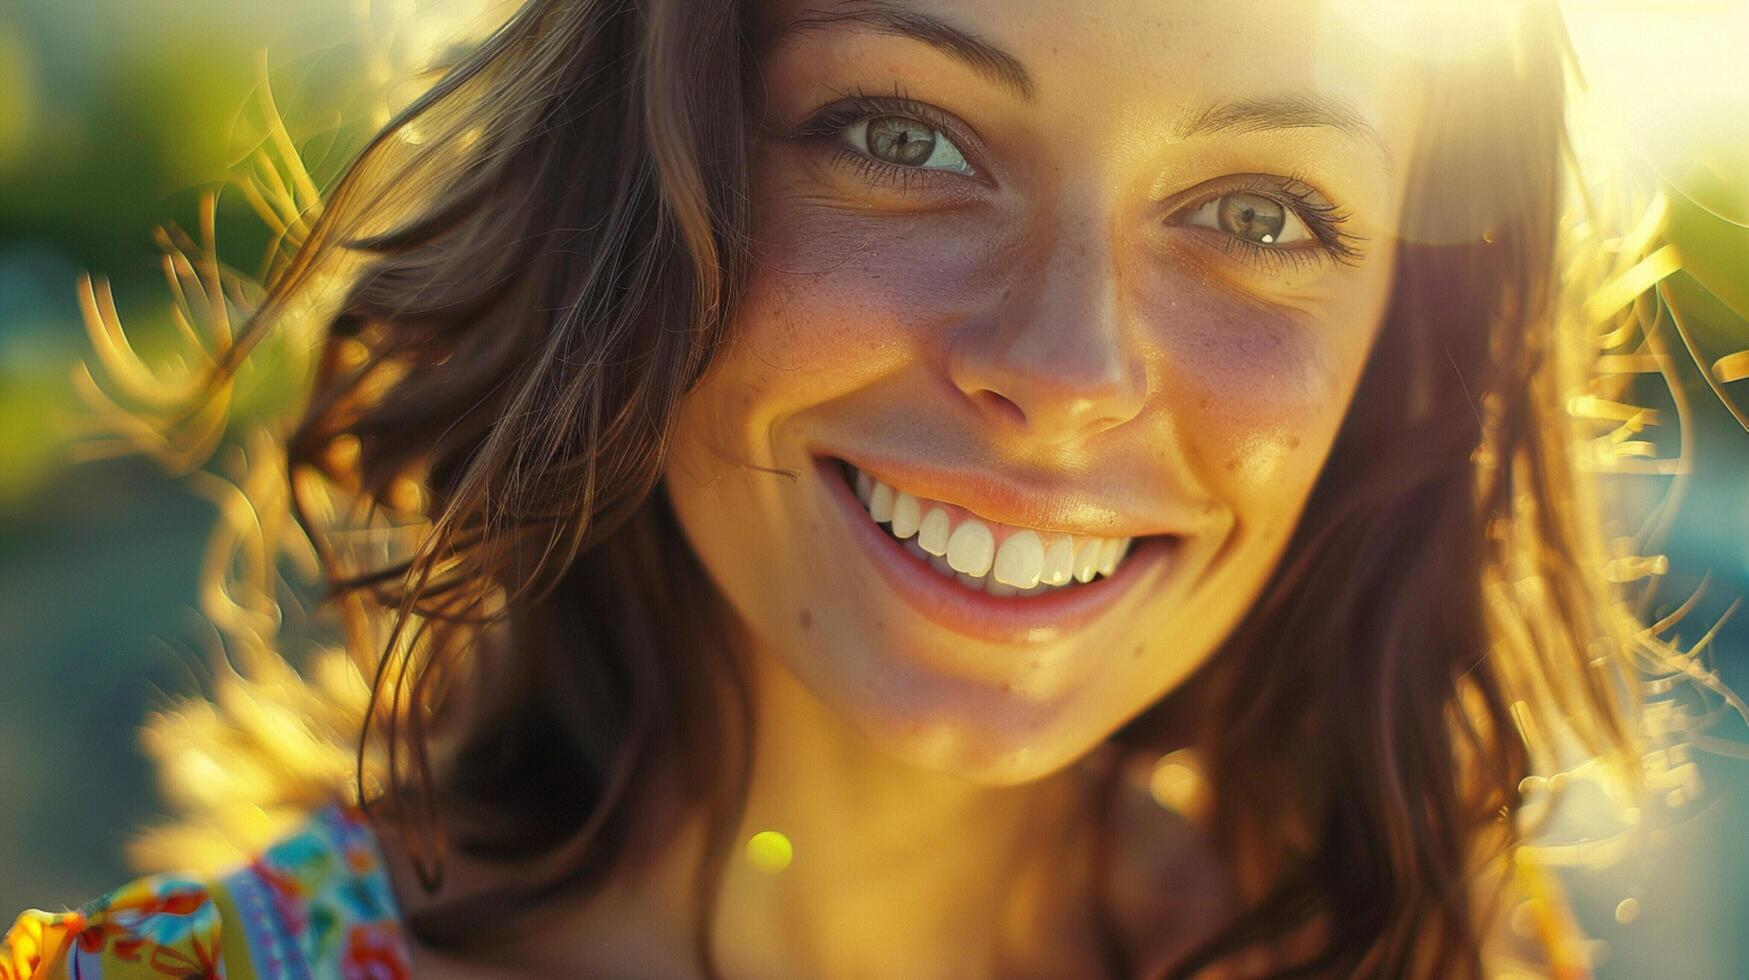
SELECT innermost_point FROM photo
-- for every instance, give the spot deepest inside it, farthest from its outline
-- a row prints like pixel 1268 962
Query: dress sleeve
pixel 162 928
pixel 317 903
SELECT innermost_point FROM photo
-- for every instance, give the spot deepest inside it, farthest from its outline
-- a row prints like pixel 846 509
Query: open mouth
pixel 980 554
pixel 1000 584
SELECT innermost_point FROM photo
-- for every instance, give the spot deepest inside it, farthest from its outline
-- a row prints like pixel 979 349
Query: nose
pixel 1057 360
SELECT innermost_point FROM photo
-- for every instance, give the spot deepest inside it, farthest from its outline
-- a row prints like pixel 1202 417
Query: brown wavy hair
pixel 544 251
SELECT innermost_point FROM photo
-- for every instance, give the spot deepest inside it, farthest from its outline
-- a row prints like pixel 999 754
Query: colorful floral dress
pixel 315 905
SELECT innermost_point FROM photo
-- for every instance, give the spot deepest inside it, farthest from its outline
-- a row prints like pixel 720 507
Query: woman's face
pixel 1079 294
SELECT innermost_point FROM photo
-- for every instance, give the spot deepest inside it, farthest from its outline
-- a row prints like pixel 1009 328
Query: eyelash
pixel 1324 220
pixel 857 105
pixel 1331 242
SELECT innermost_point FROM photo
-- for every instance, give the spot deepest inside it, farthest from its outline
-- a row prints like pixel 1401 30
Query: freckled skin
pixel 1136 358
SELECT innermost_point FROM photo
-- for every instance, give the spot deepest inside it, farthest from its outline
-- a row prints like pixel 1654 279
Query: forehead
pixel 1160 60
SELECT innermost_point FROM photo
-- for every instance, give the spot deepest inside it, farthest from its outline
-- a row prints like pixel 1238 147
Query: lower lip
pixel 979 615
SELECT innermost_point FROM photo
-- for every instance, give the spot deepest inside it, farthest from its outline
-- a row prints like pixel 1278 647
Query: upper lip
pixel 1041 502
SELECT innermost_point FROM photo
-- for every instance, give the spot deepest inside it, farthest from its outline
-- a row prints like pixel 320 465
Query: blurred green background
pixel 116 115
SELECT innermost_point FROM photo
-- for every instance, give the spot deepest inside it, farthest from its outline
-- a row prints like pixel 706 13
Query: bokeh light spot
pixel 1176 783
pixel 769 852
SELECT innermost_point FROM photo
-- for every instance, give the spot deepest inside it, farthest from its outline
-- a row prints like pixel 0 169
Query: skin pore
pixel 1109 268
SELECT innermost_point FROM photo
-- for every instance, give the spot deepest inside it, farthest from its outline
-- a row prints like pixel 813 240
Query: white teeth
pixel 1086 560
pixel 907 516
pixel 932 533
pixel 1059 563
pixel 971 548
pixel 880 503
pixel 1021 560
pixel 1111 551
pixel 1028 563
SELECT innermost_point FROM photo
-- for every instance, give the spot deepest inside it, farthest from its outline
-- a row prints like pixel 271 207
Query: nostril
pixel 998 405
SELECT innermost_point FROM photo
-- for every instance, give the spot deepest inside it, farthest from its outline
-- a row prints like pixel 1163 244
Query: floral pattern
pixel 316 905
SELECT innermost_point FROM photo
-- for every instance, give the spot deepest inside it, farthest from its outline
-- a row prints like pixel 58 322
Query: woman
pixel 881 428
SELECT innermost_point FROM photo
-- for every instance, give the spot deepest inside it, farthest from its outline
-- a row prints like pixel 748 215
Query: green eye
pixel 1250 217
pixel 905 142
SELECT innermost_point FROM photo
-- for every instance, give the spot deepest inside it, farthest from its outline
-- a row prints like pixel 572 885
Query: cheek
pixel 1258 390
pixel 838 299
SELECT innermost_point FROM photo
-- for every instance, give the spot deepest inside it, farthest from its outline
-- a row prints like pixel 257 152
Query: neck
pixel 896 870
pixel 889 860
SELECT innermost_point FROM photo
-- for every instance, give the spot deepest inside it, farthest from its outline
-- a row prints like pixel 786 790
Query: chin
pixel 968 748
pixel 924 718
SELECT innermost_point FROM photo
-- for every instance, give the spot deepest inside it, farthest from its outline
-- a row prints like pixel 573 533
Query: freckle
pixel 1136 654
pixel 1293 442
pixel 1233 465
pixel 807 618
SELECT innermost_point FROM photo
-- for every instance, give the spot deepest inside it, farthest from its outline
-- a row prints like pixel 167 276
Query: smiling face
pixel 1079 295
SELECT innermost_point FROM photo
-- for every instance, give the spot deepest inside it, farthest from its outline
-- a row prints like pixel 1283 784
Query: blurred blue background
pixel 115 115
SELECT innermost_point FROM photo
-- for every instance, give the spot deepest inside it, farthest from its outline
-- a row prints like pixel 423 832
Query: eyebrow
pixel 891 18
pixel 1292 111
